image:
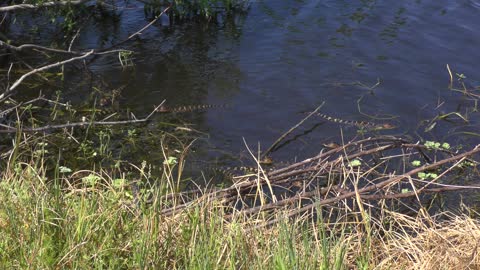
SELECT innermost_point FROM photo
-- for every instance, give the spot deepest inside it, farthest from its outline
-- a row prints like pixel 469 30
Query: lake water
pixel 377 61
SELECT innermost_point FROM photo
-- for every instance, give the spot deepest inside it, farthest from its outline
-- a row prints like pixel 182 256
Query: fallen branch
pixel 24 47
pixel 4 113
pixel 264 154
pixel 373 187
pixel 81 55
pixel 42 5
pixel 10 129
pixel 330 178
pixel 26 75
pixel 139 32
pixel 313 167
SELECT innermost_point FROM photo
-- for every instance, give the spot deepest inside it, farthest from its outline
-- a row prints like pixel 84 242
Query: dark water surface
pixel 286 57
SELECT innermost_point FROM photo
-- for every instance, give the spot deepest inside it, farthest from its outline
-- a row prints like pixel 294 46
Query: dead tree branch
pixel 42 5
pixel 9 90
pixel 10 129
pixel 329 178
pixel 272 147
pixel 378 186
pixel 139 32
pixel 24 47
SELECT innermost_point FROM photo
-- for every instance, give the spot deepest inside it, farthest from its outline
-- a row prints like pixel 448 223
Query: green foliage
pixel 425 175
pixel 97 225
pixel 191 9
pixel 119 183
pixel 354 163
pixel 432 145
pixel 170 161
pixel 436 145
pixel 460 76
pixel 93 219
pixel 91 180
pixel 63 169
pixel 416 163
pixel 67 17
pixel 466 163
pixel 126 59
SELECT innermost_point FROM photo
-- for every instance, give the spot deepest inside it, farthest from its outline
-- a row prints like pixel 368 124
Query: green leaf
pixel 405 190
pixel 118 183
pixel 432 145
pixel 355 163
pixel 429 128
pixel 416 163
pixel 429 144
pixel 422 175
pixel 170 161
pixel 64 169
pixel 445 116
pixel 445 146
pixel 128 195
pixel 91 179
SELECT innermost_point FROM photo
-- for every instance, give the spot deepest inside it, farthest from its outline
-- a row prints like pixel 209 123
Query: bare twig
pixel 290 131
pixel 81 55
pixel 7 111
pixel 42 5
pixel 54 50
pixel 24 76
pixel 139 32
pixel 10 129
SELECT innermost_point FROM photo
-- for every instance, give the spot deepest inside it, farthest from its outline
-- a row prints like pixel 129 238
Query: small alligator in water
pixel 104 110
pixel 189 108
pixel 267 165
pixel 358 124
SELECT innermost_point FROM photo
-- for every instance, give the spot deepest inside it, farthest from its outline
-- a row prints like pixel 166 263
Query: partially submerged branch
pixel 24 47
pixel 10 129
pixel 10 89
pixel 79 55
pixel 140 32
pixel 41 5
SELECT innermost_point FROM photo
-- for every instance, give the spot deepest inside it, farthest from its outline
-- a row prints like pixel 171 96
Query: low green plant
pixel 437 145
pixel 427 175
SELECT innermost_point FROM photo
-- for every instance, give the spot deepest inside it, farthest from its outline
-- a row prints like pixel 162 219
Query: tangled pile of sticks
pixel 369 169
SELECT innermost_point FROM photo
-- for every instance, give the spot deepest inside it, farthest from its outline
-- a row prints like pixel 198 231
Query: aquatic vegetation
pixel 191 9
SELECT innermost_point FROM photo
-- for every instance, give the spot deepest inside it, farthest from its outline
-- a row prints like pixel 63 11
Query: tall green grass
pixel 91 220
pixel 54 223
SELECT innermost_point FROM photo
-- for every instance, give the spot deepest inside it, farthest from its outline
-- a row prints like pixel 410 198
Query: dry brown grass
pixel 424 243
